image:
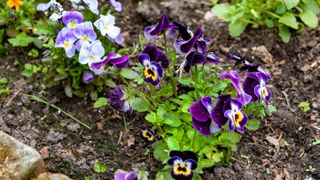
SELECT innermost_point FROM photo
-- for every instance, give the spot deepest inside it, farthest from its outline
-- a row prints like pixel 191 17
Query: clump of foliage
pixel 286 15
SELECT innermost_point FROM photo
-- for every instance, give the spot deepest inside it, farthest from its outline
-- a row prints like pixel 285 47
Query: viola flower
pixel 154 30
pixel 186 45
pixel 237 118
pixel 123 175
pixel 113 59
pixel 255 86
pixel 91 53
pixel 93 5
pixel 118 100
pixel 178 72
pixel 212 58
pixel 238 59
pixel 66 39
pixel 88 77
pixel 15 4
pixel 116 5
pixel 155 54
pixel 235 80
pixel 153 71
pixel 106 25
pixel 183 163
pixel 85 33
pixel 201 112
pixel 149 135
pixel 217 113
pixel 72 18
pixel 51 5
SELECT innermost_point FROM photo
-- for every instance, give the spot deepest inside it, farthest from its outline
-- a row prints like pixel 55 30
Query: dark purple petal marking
pixel 144 59
pixel 202 127
pixel 217 113
pixel 120 62
pixel 199 112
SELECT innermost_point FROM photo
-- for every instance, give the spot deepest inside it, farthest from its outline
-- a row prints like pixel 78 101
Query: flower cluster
pixel 80 36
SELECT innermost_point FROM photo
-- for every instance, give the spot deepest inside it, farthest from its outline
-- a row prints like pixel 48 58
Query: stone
pixel 17 160
pixel 51 176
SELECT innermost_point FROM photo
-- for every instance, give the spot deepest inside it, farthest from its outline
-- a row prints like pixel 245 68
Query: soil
pixel 281 149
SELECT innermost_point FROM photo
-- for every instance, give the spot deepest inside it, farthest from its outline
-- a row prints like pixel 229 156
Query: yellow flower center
pixel 146 134
pixel 66 44
pixel 91 57
pixel 150 73
pixel 15 4
pixel 265 92
pixel 106 27
pixel 238 117
pixel 72 24
pixel 85 38
pixel 181 169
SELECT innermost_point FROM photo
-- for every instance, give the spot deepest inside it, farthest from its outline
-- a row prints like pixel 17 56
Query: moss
pixel 6 153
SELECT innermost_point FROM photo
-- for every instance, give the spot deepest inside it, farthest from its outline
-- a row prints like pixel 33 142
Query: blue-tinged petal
pixel 152 51
pixel 184 46
pixel 70 52
pixel 116 5
pixel 131 176
pixel 144 59
pixel 217 113
pixel 207 103
pixel 43 6
pixel 154 30
pixel 202 127
pixel 157 68
pixel 120 61
pixel 212 58
pixel 72 18
pixel 88 77
pixel 214 127
pixel 248 86
pixel 163 59
pixel 199 112
pixel 98 65
pixel 174 159
pixel 119 39
pixel 93 5
pixel 97 48
pixel 193 164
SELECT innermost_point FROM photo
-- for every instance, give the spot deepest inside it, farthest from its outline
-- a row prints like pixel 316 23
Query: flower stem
pixel 194 138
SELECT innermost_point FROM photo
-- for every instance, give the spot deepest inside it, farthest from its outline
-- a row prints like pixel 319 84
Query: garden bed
pixel 282 147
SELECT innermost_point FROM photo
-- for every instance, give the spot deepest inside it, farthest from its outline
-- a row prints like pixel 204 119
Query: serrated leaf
pixel 236 28
pixel 229 139
pixel 21 39
pixel 99 167
pixel 291 3
pixel 129 73
pixel 173 143
pixel 140 105
pixel 151 117
pixel 253 124
pixel 172 119
pixel 224 11
pixel 290 20
pixel 100 102
pixel 160 151
pixel 205 163
pixel 309 18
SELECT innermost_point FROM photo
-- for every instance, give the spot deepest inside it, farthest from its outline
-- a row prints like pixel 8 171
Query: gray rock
pixel 50 176
pixel 17 160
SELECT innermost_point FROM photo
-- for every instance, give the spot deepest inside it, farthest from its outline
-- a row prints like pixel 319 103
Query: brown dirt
pixel 72 150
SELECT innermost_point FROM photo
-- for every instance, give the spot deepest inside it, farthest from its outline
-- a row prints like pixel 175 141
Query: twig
pixel 14 96
pixel 36 98
pixel 287 101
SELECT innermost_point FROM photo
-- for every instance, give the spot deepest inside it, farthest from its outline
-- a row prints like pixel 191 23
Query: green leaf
pixel 3 81
pixel 271 109
pixel 309 18
pixel 305 106
pixel 289 19
pixel 173 143
pixel 164 175
pixel 291 3
pixel 21 39
pixel 284 33
pixel 224 11
pixel 151 117
pixel 140 105
pixel 186 81
pixel 100 102
pixel 313 6
pixel 160 151
pixel 99 167
pixel 217 157
pixel 129 73
pixel 269 23
pixel 229 139
pixel 33 53
pixel 172 119
pixel 253 124
pixel 205 163
pixel 236 28
pixel 68 91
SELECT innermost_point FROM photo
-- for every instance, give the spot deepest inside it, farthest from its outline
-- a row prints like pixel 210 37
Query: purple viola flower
pixel 119 100
pixel 153 71
pixel 237 118
pixel 72 18
pixel 85 33
pixel 155 55
pixel 238 59
pixel 66 39
pixel 235 80
pixel 182 163
pixel 116 5
pixel 152 31
pixel 113 59
pixel 149 135
pixel 91 53
pixel 201 116
pixel 217 113
pixel 93 5
pixel 123 175
pixel 88 77
pixel 255 86
pixel 212 58
pixel 195 57
pixel 185 46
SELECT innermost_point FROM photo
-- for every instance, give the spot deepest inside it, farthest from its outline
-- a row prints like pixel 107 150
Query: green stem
pixel 165 42
pixel 194 138
pixel 273 14
pixel 36 98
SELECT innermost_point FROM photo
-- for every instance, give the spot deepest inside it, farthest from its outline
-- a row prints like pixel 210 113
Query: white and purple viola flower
pixel 182 163
pixel 111 59
pixel 119 100
pixel 92 4
pixel 52 6
pixel 237 118
pixel 123 175
pixel 106 25
pixel 87 77
pixel 66 40
pixel 235 80
pixel 91 53
pixel 72 18
pixel 116 5
pixel 85 33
